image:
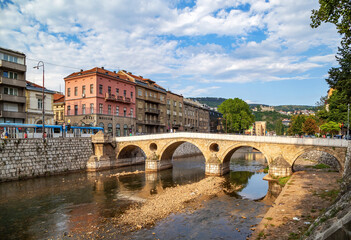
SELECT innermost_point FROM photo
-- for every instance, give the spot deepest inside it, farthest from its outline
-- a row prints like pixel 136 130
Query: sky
pixel 262 51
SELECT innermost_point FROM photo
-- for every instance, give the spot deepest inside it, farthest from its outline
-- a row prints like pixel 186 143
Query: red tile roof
pixel 59 98
pixel 98 70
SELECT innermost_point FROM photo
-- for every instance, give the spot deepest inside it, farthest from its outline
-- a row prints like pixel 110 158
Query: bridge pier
pixel 214 166
pixel 154 164
pixel 100 159
pixel 279 167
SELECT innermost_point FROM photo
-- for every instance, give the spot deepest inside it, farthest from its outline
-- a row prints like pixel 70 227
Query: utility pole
pixel 43 96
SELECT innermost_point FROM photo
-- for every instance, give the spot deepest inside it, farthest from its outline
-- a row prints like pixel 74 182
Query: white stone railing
pixel 242 138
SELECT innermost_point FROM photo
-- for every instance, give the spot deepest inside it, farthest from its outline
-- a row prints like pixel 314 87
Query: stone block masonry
pixel 26 158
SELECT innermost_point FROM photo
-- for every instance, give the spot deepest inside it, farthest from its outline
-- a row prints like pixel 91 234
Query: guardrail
pixel 242 138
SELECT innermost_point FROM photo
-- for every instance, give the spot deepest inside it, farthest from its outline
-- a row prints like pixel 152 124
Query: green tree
pixel 310 126
pixel 336 12
pixel 237 115
pixel 330 127
pixel 279 127
pixel 296 125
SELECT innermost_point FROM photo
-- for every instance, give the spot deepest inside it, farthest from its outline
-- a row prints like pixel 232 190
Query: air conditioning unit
pixel 83 95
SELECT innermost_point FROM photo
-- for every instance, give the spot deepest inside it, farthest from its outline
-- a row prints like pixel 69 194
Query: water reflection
pixel 47 207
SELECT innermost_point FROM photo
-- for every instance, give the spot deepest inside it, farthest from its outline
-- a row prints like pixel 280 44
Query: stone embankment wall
pixel 25 158
pixel 335 223
pixel 321 157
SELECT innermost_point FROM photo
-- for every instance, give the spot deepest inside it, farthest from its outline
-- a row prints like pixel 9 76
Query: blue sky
pixel 258 50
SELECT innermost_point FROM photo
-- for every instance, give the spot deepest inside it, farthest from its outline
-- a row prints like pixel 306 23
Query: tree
pixel 237 115
pixel 296 125
pixel 330 127
pixel 310 126
pixel 279 127
pixel 336 12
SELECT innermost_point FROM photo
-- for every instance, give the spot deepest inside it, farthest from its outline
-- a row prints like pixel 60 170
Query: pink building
pixel 98 97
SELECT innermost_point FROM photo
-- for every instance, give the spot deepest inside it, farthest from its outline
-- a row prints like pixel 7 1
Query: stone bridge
pixel 280 152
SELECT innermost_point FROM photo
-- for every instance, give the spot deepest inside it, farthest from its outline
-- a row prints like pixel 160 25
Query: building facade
pixel 150 104
pixel 12 86
pixel 35 104
pixel 174 112
pixel 260 128
pixel 196 116
pixel 59 108
pixel 216 121
pixel 98 97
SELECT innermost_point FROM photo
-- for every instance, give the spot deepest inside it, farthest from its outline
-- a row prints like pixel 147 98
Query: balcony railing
pixel 13 82
pixel 114 98
pixel 152 110
pixel 152 99
pixel 9 114
pixel 12 98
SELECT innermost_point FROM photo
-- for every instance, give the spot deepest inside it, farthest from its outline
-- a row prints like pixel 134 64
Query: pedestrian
pixel 25 135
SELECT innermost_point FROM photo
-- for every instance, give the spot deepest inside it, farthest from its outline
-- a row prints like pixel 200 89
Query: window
pixel 68 92
pixel 131 112
pixel 117 91
pixel 75 109
pixel 168 102
pixel 68 109
pixel 140 92
pixel 11 91
pixel 109 91
pixel 91 108
pixel 145 93
pixel 11 75
pixel 161 98
pixel 40 103
pixel 75 91
pixel 180 105
pixel 83 89
pixel 91 88
pixel 10 58
pixel 109 128
pixel 109 110
pixel 117 111
pixel 118 130
pixel 83 109
pixel 125 93
pixel 100 89
pixel 175 103
pixel 125 112
pixel 131 95
pixel 100 108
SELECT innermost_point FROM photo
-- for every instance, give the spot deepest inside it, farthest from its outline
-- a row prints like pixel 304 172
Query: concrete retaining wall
pixel 24 158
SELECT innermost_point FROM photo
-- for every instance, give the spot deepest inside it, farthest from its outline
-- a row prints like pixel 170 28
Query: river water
pixel 67 205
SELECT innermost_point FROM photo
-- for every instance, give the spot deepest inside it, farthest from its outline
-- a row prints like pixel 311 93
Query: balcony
pixel 113 98
pixel 13 66
pixel 12 82
pixel 152 99
pixel 152 110
pixel 11 98
pixel 8 114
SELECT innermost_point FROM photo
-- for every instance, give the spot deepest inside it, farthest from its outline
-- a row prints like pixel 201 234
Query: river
pixel 65 205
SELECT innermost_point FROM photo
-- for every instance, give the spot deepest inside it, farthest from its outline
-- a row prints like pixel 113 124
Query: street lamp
pixel 41 64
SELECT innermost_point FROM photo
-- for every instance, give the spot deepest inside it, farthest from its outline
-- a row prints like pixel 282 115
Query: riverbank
pixel 305 196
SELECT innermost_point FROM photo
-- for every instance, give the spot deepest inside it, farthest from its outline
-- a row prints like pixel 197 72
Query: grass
pixel 282 181
pixel 331 195
pixel 269 218
pixel 293 235
pixel 321 166
pixel 265 170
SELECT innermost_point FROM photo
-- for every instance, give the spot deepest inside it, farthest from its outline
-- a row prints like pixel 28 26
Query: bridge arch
pixel 166 153
pixel 325 150
pixel 227 154
pixel 131 151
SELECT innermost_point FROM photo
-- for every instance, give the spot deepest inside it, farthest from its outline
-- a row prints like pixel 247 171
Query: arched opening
pixel 109 129
pixel 125 130
pixel 248 166
pixel 131 155
pixel 187 160
pixel 102 125
pixel 153 147
pixel 313 160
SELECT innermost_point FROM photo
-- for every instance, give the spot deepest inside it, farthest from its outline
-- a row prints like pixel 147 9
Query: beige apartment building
pixel 174 112
pixel 12 86
pixel 196 116
pixel 59 108
pixel 150 104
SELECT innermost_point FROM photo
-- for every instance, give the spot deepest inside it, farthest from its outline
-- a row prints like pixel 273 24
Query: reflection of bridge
pixel 280 152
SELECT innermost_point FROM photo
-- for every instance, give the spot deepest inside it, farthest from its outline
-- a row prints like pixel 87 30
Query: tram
pixel 20 130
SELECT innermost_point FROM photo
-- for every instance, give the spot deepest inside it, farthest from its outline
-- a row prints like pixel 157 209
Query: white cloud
pixel 154 37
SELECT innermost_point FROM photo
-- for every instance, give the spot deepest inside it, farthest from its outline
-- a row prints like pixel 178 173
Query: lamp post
pixel 41 64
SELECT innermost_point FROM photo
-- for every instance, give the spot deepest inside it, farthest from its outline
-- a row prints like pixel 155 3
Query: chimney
pixel 102 68
pixel 81 70
pixel 114 71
